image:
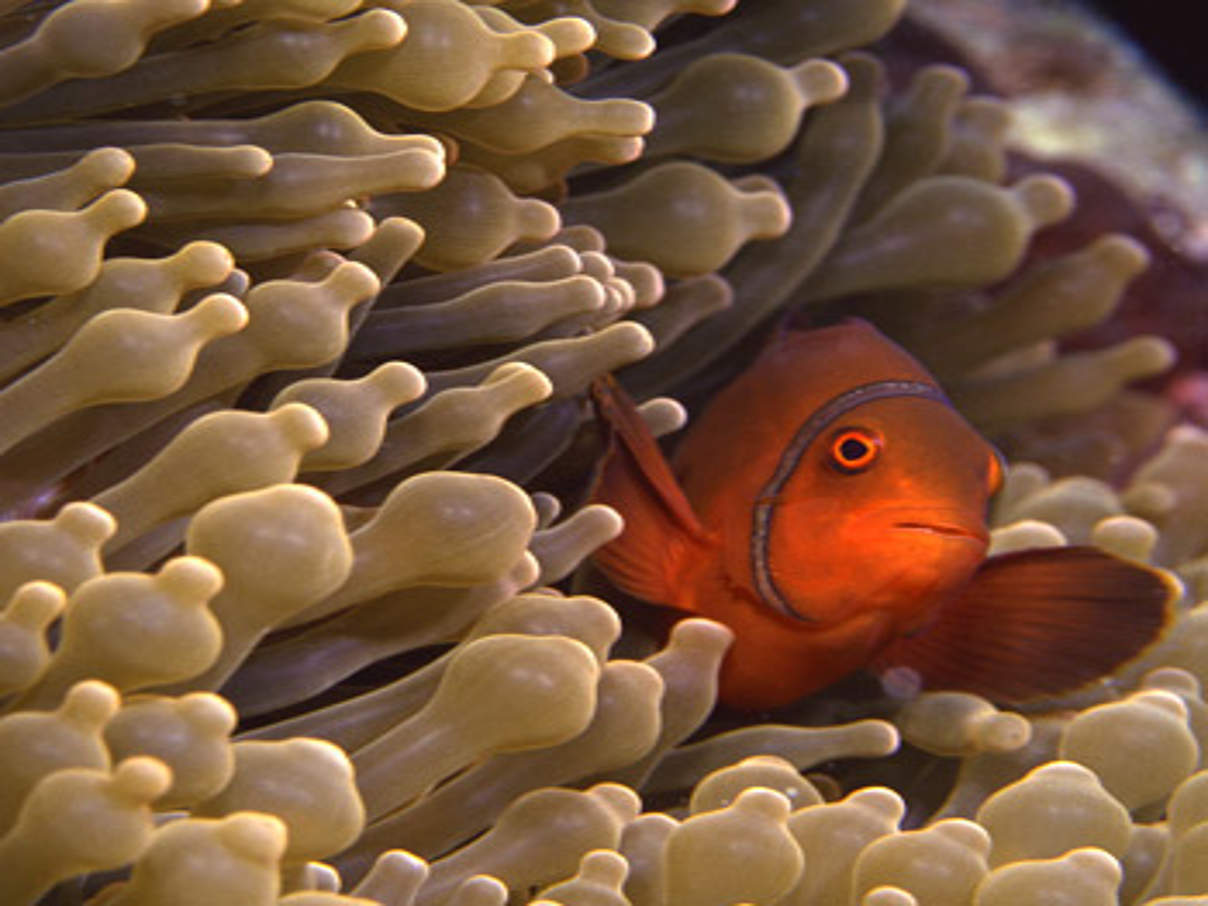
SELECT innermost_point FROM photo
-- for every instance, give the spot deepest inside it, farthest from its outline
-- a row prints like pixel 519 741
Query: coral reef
pixel 300 299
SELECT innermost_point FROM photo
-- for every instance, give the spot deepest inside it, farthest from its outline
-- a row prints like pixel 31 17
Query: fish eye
pixel 854 449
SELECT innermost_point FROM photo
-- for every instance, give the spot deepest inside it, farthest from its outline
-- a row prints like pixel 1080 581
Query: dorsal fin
pixel 635 479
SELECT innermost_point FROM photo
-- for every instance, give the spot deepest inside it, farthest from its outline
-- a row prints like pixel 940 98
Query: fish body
pixel 829 507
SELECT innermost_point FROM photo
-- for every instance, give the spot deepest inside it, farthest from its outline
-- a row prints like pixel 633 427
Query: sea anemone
pixel 301 299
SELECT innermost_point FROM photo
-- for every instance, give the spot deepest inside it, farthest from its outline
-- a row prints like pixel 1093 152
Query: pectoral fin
pixel 635 479
pixel 1037 623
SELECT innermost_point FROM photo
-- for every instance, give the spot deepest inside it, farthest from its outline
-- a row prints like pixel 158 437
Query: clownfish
pixel 829 506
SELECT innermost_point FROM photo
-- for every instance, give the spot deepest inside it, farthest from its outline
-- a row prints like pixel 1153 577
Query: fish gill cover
pixel 301 299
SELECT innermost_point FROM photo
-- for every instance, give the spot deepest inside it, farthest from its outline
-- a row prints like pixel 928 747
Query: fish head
pixel 883 510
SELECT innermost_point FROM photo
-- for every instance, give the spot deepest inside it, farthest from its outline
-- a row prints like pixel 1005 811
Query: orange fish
pixel 829 507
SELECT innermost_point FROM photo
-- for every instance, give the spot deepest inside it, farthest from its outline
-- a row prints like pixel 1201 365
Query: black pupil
pixel 852 449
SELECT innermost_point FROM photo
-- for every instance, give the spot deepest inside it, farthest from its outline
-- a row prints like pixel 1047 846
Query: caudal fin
pixel 1038 623
pixel 635 479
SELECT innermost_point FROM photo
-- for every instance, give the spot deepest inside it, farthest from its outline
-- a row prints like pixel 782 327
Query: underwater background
pixel 300 301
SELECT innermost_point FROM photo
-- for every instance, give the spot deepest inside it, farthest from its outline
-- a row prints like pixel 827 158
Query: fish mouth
pixel 945 529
